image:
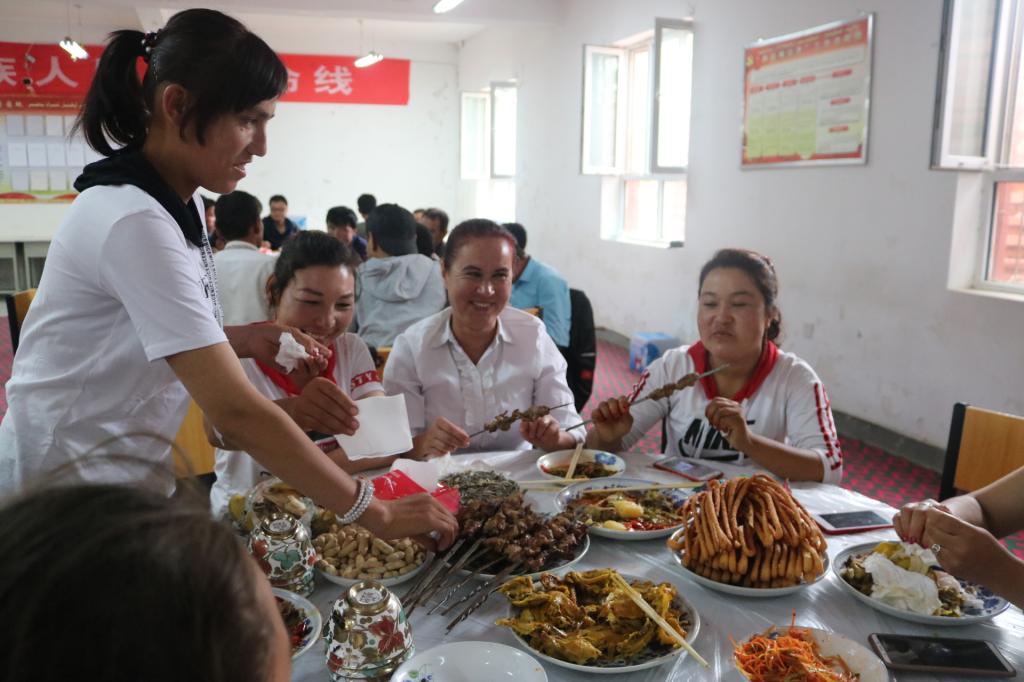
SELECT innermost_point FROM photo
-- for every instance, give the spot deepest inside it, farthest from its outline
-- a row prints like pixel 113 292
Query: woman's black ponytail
pixel 224 67
pixel 115 108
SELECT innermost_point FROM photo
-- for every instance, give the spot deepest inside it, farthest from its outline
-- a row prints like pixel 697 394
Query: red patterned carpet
pixel 867 469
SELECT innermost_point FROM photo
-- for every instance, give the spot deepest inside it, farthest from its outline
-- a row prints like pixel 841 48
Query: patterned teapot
pixel 283 550
pixel 367 636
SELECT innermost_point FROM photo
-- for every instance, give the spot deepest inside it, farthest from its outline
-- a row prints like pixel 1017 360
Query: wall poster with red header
pixel 806 97
pixel 42 88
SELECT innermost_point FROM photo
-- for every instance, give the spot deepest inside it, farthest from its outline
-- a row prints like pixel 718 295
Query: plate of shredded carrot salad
pixel 791 654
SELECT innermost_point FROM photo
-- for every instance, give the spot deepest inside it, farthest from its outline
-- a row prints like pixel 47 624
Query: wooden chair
pixel 536 312
pixel 983 447
pixel 17 308
pixel 383 353
pixel 192 445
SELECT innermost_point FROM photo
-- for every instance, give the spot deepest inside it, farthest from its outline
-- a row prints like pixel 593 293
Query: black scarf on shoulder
pixel 132 168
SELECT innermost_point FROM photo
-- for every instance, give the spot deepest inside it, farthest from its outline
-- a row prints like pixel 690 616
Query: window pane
pixel 601 109
pixel 675 78
pixel 639 111
pixel 673 211
pixel 1017 121
pixel 474 138
pixel 504 130
pixel 971 49
pixel 1006 261
pixel 641 211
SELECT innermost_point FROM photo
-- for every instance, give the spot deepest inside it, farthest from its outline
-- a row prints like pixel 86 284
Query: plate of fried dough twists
pixel 749 537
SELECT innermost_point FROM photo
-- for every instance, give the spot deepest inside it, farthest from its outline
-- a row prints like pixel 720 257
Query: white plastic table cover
pixel 823 605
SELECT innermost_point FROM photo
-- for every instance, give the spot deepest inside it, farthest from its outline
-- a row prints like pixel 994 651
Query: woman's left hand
pixel 542 433
pixel 262 341
pixel 726 416
pixel 965 550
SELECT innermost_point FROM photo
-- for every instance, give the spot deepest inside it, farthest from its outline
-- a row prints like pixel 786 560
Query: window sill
pixel 653 243
pixel 990 293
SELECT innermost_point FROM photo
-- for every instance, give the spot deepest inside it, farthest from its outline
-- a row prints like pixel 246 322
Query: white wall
pixel 322 155
pixel 862 252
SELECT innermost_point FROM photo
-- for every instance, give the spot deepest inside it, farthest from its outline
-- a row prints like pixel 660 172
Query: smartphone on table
pixel 946 655
pixel 852 521
pixel 687 468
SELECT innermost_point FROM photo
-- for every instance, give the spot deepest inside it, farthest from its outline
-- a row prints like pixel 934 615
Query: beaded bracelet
pixel 363 500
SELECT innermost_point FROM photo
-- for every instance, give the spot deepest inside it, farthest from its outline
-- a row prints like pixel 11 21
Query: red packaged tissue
pixel 395 485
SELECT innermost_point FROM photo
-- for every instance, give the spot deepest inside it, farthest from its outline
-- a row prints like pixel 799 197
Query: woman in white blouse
pixel 461 367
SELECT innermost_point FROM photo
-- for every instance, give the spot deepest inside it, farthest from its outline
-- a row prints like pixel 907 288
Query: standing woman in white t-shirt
pixel 312 288
pixel 766 405
pixel 126 325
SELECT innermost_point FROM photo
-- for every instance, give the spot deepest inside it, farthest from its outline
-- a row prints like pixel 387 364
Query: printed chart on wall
pixel 806 97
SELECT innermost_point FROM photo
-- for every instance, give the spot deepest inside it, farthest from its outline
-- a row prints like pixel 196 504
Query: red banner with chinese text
pixel 42 78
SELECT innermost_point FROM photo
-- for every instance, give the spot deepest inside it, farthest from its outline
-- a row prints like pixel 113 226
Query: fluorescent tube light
pixel 442 6
pixel 368 59
pixel 74 49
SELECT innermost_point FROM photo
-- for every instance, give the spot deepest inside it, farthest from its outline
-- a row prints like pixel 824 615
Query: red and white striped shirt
pixel 784 401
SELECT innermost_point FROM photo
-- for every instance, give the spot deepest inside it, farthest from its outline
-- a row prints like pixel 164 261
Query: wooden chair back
pixel 17 308
pixel 983 447
pixel 192 444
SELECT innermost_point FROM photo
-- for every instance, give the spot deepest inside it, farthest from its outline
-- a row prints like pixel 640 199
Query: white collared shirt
pixel 521 367
pixel 242 272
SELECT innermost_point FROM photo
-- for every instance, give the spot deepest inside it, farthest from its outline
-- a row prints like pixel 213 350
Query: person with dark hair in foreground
pixel 538 285
pixel 341 224
pixel 399 287
pixel 133 253
pixel 242 269
pixel 365 203
pixel 463 366
pixel 131 585
pixel 765 405
pixel 277 227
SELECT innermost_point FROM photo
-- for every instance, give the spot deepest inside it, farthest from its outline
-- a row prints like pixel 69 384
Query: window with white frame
pixel 636 132
pixel 488 149
pixel 979 125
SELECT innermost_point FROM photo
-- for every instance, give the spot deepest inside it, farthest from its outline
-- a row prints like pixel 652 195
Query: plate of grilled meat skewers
pixel 498 539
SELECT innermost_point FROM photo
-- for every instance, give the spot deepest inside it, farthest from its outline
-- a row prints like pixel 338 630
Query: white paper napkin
pixel 383 429
pixel 290 352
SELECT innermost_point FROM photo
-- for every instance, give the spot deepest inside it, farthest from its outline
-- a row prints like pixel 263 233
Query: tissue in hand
pixel 290 352
pixel 902 589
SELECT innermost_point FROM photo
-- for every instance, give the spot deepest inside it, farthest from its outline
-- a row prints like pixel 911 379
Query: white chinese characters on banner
pixel 333 81
pixel 7 71
pixel 56 74
pixel 293 80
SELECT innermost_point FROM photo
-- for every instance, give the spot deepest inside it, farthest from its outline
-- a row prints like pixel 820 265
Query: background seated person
pixel 436 220
pixel 767 405
pixel 365 203
pixel 463 366
pixel 242 270
pixel 538 285
pixel 313 288
pixel 341 224
pixel 398 287
pixel 962 532
pixel 277 227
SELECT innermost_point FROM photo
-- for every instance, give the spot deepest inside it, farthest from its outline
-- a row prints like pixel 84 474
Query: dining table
pixel 724 618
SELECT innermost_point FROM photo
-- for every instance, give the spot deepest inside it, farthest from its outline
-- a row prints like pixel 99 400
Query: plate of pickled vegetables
pixel 627 515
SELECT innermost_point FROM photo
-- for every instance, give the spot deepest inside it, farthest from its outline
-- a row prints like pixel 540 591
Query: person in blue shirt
pixel 341 224
pixel 277 227
pixel 538 285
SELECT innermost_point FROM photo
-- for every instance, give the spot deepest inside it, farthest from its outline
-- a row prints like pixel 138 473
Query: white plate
pixel 316 621
pixel 739 590
pixel 563 457
pixel 691 635
pixel 581 551
pixel 471 662
pixel 577 489
pixel 858 657
pixel 386 582
pixel 994 605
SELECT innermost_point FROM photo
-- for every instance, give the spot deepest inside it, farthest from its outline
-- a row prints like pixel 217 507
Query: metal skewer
pixel 488 589
pixel 637 402
pixel 435 565
pixel 550 410
pixel 451 593
pixel 424 596
pixel 498 578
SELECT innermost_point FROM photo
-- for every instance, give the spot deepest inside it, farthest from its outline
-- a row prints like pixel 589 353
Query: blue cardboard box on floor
pixel 646 347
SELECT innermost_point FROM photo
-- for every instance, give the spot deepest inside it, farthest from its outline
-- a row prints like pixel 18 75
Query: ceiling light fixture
pixel 73 47
pixel 368 59
pixel 442 6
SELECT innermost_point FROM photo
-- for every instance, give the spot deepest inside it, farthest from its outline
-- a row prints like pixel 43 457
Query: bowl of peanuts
pixel 349 554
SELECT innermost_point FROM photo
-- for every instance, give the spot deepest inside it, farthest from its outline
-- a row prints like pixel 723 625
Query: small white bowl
pixel 316 621
pixel 471 662
pixel 561 458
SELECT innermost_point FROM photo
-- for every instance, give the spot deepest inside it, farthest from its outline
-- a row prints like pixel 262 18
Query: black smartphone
pixel 838 523
pixel 687 468
pixel 941 655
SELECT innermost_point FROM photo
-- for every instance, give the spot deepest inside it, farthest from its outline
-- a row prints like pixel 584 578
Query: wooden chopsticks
pixel 574 461
pixel 653 615
pixel 635 488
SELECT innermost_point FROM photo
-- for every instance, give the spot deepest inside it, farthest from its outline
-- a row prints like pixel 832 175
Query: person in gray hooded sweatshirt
pixel 397 286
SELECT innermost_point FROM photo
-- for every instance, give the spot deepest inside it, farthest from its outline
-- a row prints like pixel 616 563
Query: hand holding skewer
pixel 504 421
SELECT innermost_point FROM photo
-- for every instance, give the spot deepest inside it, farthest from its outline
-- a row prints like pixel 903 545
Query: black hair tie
pixel 148 41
